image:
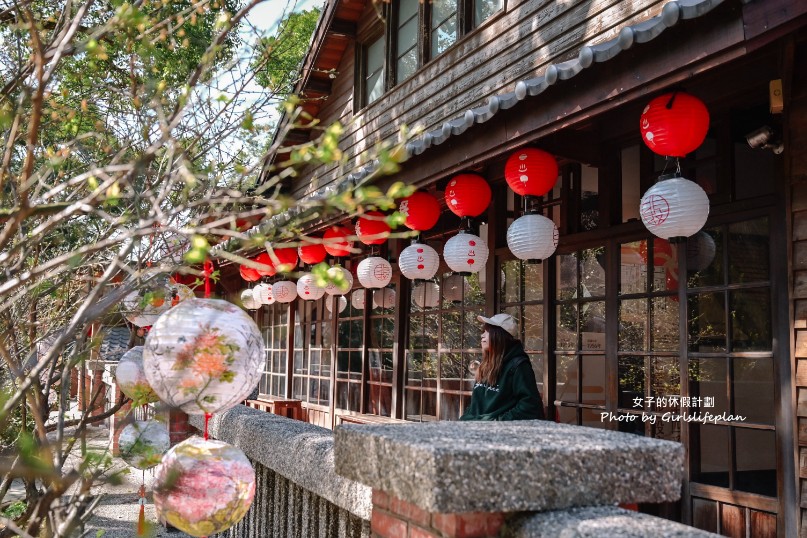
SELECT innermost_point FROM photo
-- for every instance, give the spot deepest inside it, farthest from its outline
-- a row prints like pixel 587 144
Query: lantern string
pixel 207 420
pixel 208 270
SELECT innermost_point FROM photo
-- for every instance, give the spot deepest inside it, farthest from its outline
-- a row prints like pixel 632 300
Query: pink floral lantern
pixel 131 378
pixel 284 291
pixel 466 253
pixel 203 487
pixel 203 356
pixel 307 288
pixel 143 443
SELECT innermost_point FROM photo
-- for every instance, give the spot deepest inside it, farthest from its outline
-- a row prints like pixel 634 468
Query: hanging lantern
pixel 341 281
pixel 422 211
pixel 341 301
pixel 372 229
pixel 426 295
pixel 468 195
pixel 203 487
pixel 204 356
pixel 453 287
pixel 307 288
pixel 249 274
pixel 531 172
pixel 268 268
pixel 181 292
pixel 357 299
pixel 465 253
pixel 286 259
pixel 284 291
pixel 263 294
pixel 532 237
pixel 143 307
pixel 700 251
pixel 313 253
pixel 674 124
pixel 663 255
pixel 674 208
pixel 143 443
pixel 335 243
pixel 384 298
pixel 419 261
pixel 374 272
pixel 131 378
pixel 248 301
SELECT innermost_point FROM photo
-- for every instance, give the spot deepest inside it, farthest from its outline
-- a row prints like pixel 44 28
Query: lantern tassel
pixel 208 270
pixel 207 420
pixel 141 520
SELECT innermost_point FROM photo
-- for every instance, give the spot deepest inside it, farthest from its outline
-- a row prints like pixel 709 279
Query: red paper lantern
pixel 335 243
pixel 372 229
pixel 422 211
pixel 468 195
pixel 674 124
pixel 312 254
pixel 531 172
pixel 263 258
pixel 286 259
pixel 249 274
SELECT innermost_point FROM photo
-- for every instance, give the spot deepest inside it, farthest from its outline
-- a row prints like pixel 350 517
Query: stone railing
pixel 451 479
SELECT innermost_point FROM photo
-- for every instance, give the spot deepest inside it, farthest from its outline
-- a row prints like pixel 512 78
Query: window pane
pixel 707 322
pixel 748 251
pixel 407 9
pixel 751 320
pixel 589 199
pixel 375 86
pixel 592 273
pixel 533 281
pixel 631 192
pixel 665 381
pixel 594 379
pixel 511 281
pixel 711 464
pixel 375 55
pixel 665 264
pixel 631 382
pixel 707 379
pixel 592 326
pixel 407 36
pixel 407 64
pixel 441 10
pixel 485 8
pixel 753 389
pixel 756 461
pixel 474 290
pixel 701 270
pixel 567 327
pixel 665 317
pixel 633 325
pixel 451 330
pixel 444 36
pixel 633 268
pixel 533 324
pixel 567 378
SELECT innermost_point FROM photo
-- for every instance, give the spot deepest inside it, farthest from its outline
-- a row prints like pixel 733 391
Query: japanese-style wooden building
pixel 614 320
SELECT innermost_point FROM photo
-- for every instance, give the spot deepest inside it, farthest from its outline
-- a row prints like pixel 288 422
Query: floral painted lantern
pixel 131 378
pixel 468 195
pixel 307 288
pixel 372 228
pixel 203 487
pixel 419 261
pixel 249 274
pixel 674 208
pixel 426 295
pixel 335 242
pixel 341 281
pixel 181 292
pixel 142 308
pixel 701 250
pixel 284 291
pixel 422 211
pixel 466 253
pixel 384 298
pixel 453 287
pixel 340 300
pixel 532 237
pixel 531 172
pixel 357 299
pixel 248 301
pixel 263 294
pixel 674 124
pixel 268 267
pixel 313 253
pixel 143 443
pixel 203 356
pixel 374 272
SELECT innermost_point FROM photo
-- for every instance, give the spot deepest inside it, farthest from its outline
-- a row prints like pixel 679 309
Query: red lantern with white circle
pixel 532 237
pixel 531 172
pixel 426 295
pixel 307 288
pixel 357 299
pixel 284 291
pixel 466 253
pixel 384 298
pixel 249 274
pixel 372 229
pixel 286 259
pixel 422 211
pixel 674 124
pixel 374 272
pixel 419 262
pixel 674 208
pixel 339 285
pixel 312 254
pixel 263 294
pixel 268 268
pixel 468 195
pixel 335 242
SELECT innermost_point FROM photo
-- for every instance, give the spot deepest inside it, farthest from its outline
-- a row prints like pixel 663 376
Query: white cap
pixel 505 321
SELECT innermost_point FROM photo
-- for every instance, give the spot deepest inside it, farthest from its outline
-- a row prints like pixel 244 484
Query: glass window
pixel 382 337
pixel 349 365
pixel 374 75
pixel 483 9
pixel 443 25
pixel 407 41
pixel 274 327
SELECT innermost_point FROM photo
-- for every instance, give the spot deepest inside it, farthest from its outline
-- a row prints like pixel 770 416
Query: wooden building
pixel 615 320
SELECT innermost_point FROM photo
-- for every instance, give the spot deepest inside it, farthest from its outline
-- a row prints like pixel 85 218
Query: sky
pixel 267 14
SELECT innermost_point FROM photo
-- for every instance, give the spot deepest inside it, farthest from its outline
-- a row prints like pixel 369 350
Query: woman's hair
pixel 499 341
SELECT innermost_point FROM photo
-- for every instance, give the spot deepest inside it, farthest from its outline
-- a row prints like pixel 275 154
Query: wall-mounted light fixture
pixel 765 138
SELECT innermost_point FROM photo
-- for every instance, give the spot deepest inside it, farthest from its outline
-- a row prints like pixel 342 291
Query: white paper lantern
pixel 143 307
pixel 385 298
pixel 674 208
pixel 203 487
pixel 341 301
pixel 426 295
pixel 453 287
pixel 143 443
pixel 347 281
pixel 700 251
pixel 307 288
pixel 532 237
pixel 357 299
pixel 419 262
pixel 263 294
pixel 466 253
pixel 131 378
pixel 248 300
pixel 374 272
pixel 204 356
pixel 181 293
pixel 284 291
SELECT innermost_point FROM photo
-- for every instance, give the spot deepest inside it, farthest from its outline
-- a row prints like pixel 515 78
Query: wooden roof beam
pixel 342 27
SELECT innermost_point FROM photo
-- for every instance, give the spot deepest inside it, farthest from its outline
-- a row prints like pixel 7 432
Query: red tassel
pixel 141 521
pixel 208 270
pixel 207 419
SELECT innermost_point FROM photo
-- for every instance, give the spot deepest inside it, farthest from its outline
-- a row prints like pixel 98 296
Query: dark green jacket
pixel 515 396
